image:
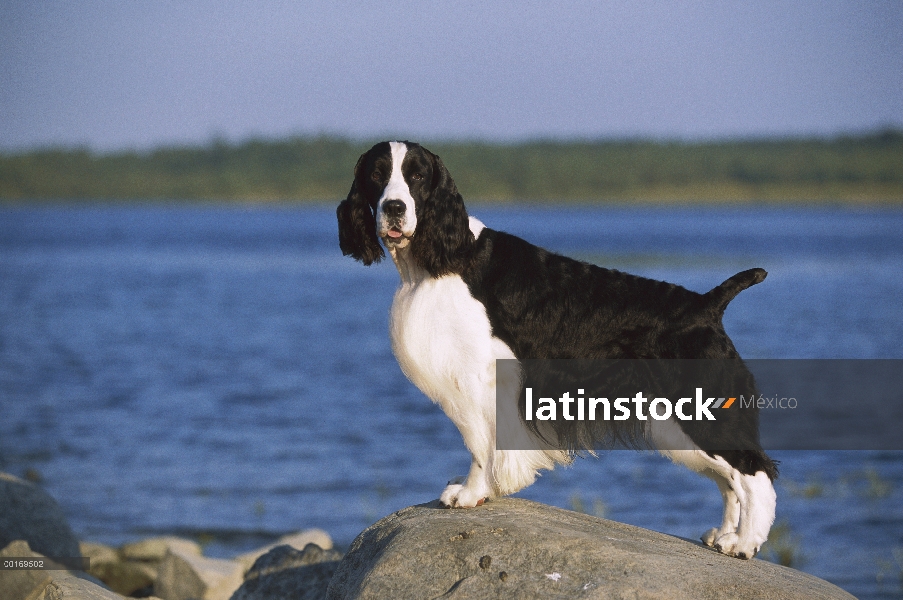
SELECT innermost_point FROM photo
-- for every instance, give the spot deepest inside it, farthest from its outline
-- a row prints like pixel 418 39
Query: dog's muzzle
pixel 392 226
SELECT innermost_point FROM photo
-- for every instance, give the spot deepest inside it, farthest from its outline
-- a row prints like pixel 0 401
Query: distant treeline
pixel 867 168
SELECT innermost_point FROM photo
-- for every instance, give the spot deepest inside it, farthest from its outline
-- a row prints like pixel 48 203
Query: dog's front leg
pixel 468 492
pixel 479 436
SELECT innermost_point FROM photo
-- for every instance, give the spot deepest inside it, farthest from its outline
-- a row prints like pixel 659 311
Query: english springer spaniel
pixel 470 295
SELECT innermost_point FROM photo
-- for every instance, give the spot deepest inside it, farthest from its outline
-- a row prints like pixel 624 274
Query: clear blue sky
pixel 123 74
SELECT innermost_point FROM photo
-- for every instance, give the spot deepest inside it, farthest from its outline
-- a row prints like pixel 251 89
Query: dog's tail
pixel 719 297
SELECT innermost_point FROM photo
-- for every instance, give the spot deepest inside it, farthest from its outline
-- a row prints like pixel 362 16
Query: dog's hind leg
pixel 749 500
pixel 757 508
pixel 749 503
pixel 731 517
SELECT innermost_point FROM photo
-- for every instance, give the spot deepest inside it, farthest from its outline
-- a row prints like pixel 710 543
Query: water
pixel 224 373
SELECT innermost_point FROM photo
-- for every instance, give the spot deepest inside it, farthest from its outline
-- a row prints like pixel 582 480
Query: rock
pixel 291 574
pixel 137 565
pixel 155 549
pixel 98 553
pixel 513 548
pixel 185 575
pixel 15 583
pixel 121 575
pixel 29 513
pixel 69 587
pixel 296 540
pixel 35 584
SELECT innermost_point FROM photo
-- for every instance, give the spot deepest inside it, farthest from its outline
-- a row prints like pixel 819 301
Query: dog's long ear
pixel 443 241
pixel 357 224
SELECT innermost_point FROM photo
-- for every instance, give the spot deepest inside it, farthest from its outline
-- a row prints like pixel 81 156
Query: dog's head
pixel 403 195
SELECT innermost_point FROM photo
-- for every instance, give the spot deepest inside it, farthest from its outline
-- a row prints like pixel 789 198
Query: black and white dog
pixel 470 295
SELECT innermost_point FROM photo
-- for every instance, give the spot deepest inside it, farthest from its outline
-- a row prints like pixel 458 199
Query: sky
pixel 113 75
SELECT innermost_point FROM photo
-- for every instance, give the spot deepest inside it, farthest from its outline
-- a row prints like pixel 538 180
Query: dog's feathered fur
pixel 471 295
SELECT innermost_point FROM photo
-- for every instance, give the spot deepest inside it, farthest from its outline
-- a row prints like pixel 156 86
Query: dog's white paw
pixel 456 495
pixel 712 535
pixel 450 494
pixel 730 544
pixel 708 538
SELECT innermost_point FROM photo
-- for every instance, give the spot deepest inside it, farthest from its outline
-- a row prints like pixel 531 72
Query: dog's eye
pixel 377 176
pixel 417 177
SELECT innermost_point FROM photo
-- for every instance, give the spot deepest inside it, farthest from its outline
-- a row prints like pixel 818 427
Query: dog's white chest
pixel 441 337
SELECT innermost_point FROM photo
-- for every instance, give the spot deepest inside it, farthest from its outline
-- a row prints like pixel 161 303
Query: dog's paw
pixel 709 537
pixel 712 535
pixel 450 494
pixel 730 544
pixel 456 495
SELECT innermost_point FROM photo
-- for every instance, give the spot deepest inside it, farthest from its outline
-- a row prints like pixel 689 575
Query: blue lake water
pixel 223 372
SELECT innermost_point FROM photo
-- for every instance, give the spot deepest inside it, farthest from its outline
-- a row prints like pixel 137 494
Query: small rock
pixel 29 513
pixel 296 540
pixel 35 584
pixel 98 553
pixel 155 549
pixel 122 576
pixel 185 575
pixel 15 583
pixel 290 574
pixel 68 587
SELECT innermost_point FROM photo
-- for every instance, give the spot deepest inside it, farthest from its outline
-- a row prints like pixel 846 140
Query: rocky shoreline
pixel 508 548
pixel 32 526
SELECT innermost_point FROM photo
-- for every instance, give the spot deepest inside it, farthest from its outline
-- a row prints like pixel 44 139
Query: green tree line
pixel 866 168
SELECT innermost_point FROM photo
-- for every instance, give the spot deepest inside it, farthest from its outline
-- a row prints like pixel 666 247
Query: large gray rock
pixel 286 573
pixel 512 548
pixel 29 513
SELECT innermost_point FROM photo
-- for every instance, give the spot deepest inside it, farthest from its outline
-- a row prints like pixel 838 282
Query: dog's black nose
pixel 394 208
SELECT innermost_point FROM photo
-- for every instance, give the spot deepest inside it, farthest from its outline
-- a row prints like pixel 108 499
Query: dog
pixel 470 295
